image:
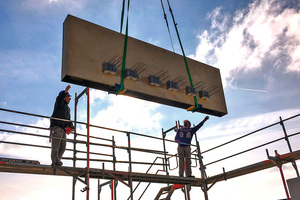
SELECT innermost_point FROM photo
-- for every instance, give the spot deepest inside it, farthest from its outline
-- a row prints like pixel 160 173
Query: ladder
pixel 167 190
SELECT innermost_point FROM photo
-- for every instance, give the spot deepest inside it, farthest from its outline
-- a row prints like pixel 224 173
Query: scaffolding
pixel 163 159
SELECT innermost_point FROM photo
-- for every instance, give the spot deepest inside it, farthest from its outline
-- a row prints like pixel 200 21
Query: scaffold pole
pixel 202 169
pixel 74 145
pixel 282 175
pixel 130 167
pixel 114 186
pixel 88 146
pixel 289 144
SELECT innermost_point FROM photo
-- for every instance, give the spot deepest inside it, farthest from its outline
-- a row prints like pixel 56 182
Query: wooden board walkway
pixel 29 168
pixel 95 173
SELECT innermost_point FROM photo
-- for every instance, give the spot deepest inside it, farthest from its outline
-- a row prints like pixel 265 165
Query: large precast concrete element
pixel 92 57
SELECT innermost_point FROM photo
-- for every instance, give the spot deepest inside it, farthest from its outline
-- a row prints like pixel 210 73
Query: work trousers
pixel 58 145
pixel 184 154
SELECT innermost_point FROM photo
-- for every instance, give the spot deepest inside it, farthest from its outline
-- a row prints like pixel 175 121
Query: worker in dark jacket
pixel 59 128
pixel 184 137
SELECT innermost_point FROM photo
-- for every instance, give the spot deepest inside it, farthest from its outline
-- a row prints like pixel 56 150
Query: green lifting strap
pixel 197 106
pixel 120 88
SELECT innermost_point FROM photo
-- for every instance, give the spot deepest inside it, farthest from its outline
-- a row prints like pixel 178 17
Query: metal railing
pixel 100 143
pixel 165 161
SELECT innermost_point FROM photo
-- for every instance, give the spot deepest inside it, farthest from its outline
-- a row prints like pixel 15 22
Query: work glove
pixel 68 130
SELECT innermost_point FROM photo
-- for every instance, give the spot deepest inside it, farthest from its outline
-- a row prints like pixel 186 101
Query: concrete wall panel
pixel 86 46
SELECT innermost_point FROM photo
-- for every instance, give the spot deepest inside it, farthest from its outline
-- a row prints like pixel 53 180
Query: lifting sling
pixel 196 106
pixel 119 89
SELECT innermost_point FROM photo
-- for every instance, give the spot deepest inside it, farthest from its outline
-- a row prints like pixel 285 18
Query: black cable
pixel 165 16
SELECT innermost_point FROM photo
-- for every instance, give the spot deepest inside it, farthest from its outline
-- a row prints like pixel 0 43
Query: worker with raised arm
pixel 184 137
pixel 59 128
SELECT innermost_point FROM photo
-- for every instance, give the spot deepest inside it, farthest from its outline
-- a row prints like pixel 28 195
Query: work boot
pixel 59 163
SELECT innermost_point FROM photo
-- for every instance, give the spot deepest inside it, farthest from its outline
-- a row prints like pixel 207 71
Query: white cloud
pixel 96 94
pixel 263 31
pixel 238 126
pixel 43 5
pixel 218 21
pixel 26 152
pixel 3 103
pixel 127 113
pixel 295 64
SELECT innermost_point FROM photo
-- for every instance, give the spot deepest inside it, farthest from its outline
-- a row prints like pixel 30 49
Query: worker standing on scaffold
pixel 184 137
pixel 59 128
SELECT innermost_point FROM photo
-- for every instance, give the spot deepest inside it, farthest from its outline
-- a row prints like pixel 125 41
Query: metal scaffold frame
pixel 128 177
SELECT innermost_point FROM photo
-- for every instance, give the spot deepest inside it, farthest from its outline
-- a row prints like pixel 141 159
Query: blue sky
pixel 255 44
